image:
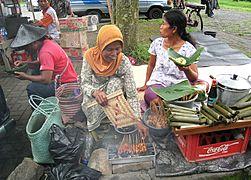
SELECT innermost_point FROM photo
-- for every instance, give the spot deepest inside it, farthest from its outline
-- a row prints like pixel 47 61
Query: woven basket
pixel 70 97
pixel 43 117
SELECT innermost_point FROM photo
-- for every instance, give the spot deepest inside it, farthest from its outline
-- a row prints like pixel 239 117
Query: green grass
pixel 146 29
pixel 150 28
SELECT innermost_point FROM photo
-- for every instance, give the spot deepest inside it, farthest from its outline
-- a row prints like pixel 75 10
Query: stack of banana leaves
pixel 175 91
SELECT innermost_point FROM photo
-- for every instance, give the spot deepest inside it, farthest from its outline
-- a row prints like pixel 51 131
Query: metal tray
pixel 142 157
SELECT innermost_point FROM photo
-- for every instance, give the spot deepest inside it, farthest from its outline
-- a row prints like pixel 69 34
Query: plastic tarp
pixel 218 53
pixel 170 161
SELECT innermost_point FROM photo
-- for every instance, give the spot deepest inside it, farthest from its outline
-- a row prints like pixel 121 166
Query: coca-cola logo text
pixel 216 150
pixel 221 148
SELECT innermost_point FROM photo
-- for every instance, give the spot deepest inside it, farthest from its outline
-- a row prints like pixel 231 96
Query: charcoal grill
pixel 127 158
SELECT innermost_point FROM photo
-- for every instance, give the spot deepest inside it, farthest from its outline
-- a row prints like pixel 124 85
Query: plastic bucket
pixel 210 33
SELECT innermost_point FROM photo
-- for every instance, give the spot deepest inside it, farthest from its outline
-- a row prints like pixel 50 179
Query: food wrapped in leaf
pixel 182 60
pixel 22 68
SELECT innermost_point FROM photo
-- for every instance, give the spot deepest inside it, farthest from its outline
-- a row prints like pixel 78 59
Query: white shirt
pixel 53 28
pixel 165 71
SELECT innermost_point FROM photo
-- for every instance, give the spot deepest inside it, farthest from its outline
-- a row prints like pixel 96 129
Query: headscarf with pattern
pixel 106 35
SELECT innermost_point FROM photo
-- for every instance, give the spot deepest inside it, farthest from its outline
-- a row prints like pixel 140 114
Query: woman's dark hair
pixel 176 18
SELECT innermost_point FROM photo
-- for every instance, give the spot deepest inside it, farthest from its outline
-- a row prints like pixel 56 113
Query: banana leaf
pixel 182 60
pixel 22 68
pixel 175 91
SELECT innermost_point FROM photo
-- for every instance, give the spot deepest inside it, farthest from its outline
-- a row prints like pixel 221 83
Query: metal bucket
pixel 188 103
pixel 231 88
pixel 230 96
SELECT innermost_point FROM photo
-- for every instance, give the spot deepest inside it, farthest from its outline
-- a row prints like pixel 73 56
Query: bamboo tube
pixel 185 119
pixel 211 112
pixel 178 124
pixel 233 112
pixel 182 111
pixel 208 116
pixel 244 99
pixel 209 119
pixel 242 105
pixel 180 107
pixel 184 114
pixel 244 109
pixel 202 119
pixel 244 114
pixel 247 118
pixel 222 111
pixel 210 122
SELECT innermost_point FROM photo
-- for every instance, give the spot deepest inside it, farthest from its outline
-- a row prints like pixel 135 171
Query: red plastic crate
pixel 212 145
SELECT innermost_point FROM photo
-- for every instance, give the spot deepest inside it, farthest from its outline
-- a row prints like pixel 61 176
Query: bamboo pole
pixel 32 10
pixel 110 10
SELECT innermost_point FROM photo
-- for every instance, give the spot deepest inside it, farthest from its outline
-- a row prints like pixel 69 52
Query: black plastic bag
pixel 71 171
pixel 66 147
pixel 4 110
pixel 66 144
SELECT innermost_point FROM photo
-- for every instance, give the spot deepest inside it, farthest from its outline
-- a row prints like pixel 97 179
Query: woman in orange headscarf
pixel 106 69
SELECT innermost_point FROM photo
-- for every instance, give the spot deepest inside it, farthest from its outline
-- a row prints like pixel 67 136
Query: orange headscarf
pixel 106 35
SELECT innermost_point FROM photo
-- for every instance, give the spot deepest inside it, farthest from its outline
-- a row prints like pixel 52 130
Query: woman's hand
pixel 142 129
pixel 190 71
pixel 100 97
pixel 143 88
pixel 183 68
pixel 18 63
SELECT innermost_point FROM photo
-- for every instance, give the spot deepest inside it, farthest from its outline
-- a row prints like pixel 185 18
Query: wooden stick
pixel 109 96
pixel 32 10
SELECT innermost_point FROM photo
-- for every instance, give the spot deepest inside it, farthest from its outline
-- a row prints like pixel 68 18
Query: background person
pixel 209 7
pixel 52 61
pixel 161 71
pixel 49 20
pixel 105 70
pixel 62 8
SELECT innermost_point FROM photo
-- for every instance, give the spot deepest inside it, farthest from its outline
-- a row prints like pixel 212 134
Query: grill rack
pixel 114 158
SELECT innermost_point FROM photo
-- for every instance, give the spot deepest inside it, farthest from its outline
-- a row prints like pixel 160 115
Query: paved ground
pixel 16 145
pixel 232 27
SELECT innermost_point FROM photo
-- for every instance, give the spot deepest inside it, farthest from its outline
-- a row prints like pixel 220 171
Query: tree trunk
pixel 127 20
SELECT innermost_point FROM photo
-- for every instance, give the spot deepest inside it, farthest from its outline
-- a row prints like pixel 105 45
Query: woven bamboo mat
pixel 118 110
